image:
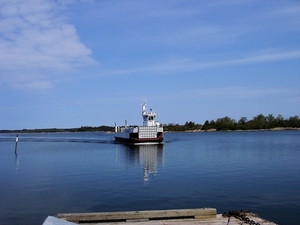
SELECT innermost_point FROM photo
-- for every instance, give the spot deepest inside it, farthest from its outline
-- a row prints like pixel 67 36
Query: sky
pixel 73 63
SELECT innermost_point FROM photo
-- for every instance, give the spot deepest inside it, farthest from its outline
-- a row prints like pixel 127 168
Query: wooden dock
pixel 197 216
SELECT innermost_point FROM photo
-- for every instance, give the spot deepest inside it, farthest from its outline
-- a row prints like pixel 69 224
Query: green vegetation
pixel 259 122
pixel 188 126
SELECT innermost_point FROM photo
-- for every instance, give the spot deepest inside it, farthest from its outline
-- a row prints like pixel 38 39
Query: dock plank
pixel 139 215
pixel 218 220
pixel 159 217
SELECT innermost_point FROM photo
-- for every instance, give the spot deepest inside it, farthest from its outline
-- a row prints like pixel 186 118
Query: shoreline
pixel 215 130
pixel 109 132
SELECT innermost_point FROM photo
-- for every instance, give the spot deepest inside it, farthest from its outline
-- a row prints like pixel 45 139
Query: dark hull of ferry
pixel 137 141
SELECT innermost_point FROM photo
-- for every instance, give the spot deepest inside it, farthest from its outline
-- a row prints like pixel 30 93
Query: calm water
pixel 88 172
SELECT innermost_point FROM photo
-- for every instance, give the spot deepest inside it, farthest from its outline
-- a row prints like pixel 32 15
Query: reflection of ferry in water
pixel 150 157
pixel 150 133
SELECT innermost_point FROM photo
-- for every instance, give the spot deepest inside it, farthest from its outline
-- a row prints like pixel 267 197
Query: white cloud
pixel 36 85
pixel 35 40
pixel 286 11
pixel 241 92
pixel 185 65
pixel 264 56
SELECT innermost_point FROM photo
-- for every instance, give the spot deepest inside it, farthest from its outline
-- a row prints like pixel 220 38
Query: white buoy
pixel 16 146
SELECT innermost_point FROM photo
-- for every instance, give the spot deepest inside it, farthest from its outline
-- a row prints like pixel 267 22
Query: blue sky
pixel 72 63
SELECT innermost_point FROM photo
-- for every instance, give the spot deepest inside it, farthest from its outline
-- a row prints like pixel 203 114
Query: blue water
pixel 88 172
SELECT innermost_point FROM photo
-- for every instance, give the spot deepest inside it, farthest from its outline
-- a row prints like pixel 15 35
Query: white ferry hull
pixel 143 141
pixel 140 135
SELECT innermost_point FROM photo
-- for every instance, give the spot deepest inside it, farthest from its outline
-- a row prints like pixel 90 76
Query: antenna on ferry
pixel 143 106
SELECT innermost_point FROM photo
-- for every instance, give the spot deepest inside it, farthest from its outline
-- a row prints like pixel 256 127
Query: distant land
pixel 55 130
pixel 259 122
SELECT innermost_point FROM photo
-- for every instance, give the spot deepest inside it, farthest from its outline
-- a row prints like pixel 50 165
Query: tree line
pixel 188 126
pixel 258 122
pixel 226 123
pixel 221 124
pixel 102 128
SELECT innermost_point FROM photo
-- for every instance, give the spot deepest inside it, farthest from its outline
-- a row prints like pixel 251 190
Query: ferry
pixel 150 133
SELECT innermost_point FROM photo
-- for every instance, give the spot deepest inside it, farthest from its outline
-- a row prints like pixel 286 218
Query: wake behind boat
pixel 150 133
